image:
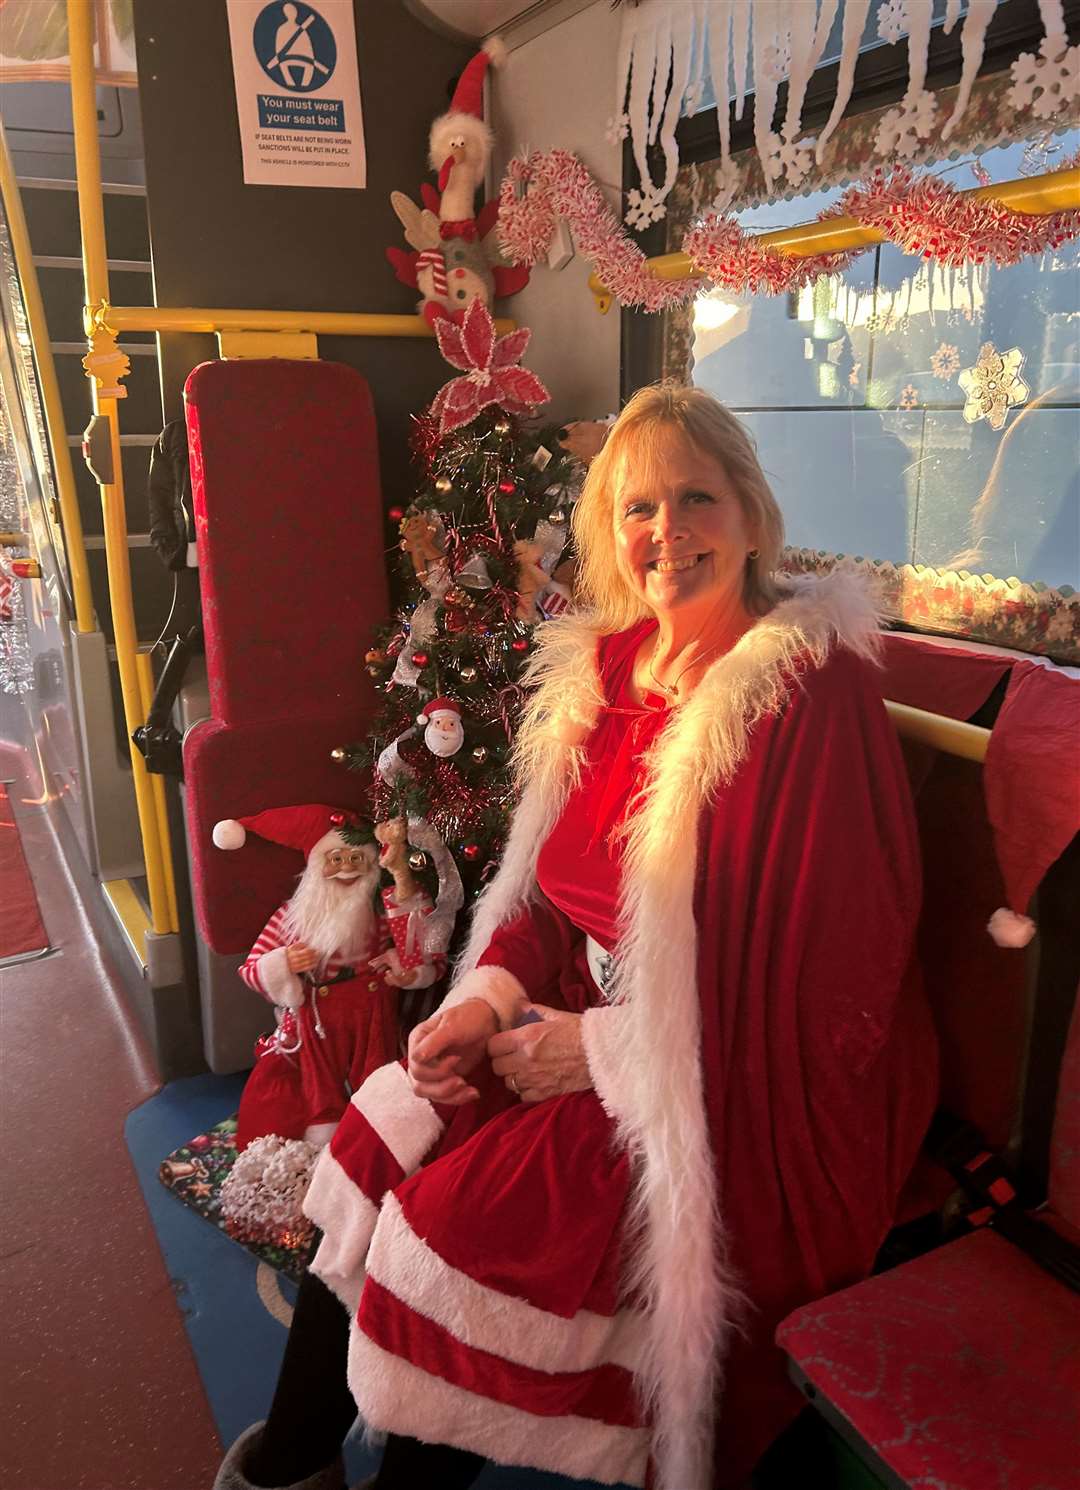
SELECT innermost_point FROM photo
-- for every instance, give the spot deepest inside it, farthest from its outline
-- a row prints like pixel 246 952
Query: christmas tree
pixel 481 545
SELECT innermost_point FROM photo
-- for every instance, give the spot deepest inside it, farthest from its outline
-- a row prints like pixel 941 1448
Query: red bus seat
pixel 962 1368
pixel 290 534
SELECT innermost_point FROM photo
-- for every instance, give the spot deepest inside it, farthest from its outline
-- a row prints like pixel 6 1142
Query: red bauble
pixel 420 659
pixel 471 851
pixel 396 514
pixel 200 1144
pixel 507 487
pixel 520 645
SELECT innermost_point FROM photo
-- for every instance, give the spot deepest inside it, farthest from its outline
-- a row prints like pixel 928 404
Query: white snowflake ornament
pixel 945 361
pixel 778 57
pixel 618 128
pixel 1047 83
pixel 909 397
pixel 796 158
pixel 892 20
pixel 644 207
pixel 902 130
pixel 728 184
pixel 994 385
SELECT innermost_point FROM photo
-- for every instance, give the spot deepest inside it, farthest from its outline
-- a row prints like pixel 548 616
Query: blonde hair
pixel 637 434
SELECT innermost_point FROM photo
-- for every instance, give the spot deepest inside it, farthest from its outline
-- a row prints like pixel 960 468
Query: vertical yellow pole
pixel 153 827
pixel 70 517
pixel 157 786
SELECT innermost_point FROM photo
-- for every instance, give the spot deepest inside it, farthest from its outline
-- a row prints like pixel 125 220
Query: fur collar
pixel 679 1257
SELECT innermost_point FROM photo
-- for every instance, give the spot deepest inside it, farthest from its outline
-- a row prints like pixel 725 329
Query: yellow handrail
pixel 953 736
pixel 321 322
pixel 1056 191
pixel 70 517
pixel 153 824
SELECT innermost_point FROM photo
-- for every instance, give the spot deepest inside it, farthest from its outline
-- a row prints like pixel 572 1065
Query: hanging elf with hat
pixel 456 258
pixel 332 960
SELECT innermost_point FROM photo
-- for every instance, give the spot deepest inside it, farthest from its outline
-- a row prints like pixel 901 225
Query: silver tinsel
pixel 16 664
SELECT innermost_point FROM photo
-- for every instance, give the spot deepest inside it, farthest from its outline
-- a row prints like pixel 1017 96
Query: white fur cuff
pixel 278 983
pixel 499 989
pixel 603 1030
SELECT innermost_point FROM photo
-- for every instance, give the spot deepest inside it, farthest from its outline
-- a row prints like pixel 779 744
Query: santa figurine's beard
pixel 334 916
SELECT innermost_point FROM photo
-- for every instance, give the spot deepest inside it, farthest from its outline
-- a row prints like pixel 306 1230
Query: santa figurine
pixel 336 1013
pixel 444 733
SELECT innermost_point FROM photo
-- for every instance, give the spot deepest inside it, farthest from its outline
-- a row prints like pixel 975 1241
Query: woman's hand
pixel 446 1047
pixel 542 1060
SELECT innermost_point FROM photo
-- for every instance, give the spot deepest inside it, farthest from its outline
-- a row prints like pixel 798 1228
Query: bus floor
pixel 99 1385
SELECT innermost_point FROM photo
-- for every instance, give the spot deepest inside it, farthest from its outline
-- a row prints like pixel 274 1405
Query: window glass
pixel 852 389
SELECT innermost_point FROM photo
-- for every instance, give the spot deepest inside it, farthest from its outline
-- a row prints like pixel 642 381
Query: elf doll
pixel 331 963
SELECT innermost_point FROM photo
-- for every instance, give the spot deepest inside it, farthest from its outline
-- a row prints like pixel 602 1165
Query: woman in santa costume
pixel 686 1064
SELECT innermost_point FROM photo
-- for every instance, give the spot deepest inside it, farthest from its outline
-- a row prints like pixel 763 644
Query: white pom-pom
pixel 229 834
pixel 422 720
pixel 1009 928
pixel 495 47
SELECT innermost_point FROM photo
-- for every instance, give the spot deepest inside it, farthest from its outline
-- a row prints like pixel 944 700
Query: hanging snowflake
pixel 994 385
pixel 796 159
pixel 909 396
pixel 643 207
pixel 778 57
pixel 729 182
pixel 945 361
pixel 618 127
pixel 892 20
pixel 902 130
pixel 1047 83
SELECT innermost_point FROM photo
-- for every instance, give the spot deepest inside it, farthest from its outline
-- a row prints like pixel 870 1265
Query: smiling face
pixel 681 536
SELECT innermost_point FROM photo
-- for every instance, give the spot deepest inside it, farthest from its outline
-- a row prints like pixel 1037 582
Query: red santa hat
pixel 301 828
pixel 465 117
pixel 438 706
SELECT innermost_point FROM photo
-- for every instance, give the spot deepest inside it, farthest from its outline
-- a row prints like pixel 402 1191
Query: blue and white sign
pixel 298 92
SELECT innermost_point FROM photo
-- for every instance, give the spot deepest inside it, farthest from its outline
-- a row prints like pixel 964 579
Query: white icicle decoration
pixel 766 36
pixel 855 13
pixel 720 65
pixel 979 15
pixel 804 58
pixel 740 38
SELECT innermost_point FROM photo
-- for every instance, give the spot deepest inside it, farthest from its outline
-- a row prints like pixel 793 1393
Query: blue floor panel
pixel 237 1343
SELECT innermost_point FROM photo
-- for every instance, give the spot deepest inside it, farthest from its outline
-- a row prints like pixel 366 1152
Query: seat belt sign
pixel 297 86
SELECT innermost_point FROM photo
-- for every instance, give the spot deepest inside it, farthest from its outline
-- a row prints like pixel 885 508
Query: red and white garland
pixel 923 216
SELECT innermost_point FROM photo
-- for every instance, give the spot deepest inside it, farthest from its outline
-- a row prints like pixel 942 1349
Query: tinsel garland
pixel 923 216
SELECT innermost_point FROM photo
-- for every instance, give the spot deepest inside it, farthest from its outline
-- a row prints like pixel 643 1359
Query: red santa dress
pixel 321 1053
pixel 590 1284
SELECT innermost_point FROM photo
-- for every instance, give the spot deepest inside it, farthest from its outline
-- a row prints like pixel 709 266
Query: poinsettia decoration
pixel 491 374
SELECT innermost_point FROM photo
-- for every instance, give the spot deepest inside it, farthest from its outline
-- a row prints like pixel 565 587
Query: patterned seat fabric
pixel 290 534
pixel 960 1370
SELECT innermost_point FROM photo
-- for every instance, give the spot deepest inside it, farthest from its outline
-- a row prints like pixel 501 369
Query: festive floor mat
pixel 195 1173
pixel 22 931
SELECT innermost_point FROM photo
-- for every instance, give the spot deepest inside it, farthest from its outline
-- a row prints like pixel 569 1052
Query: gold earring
pixel 753 553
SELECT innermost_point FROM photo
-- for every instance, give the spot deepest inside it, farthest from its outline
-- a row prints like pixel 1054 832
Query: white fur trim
pixel 603 1033
pixel 496 987
pixel 396 1397
pixel 277 982
pixel 651 1074
pixel 229 834
pixel 495 47
pixel 1010 929
pixel 488 1320
pixel 347 1218
pixel 406 1123
pixel 319 1134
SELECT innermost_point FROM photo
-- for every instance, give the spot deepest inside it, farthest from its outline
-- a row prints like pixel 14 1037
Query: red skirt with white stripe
pixel 489 1311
